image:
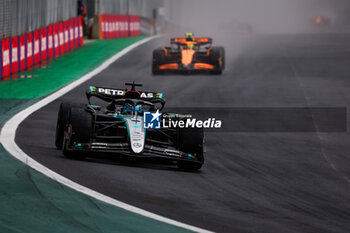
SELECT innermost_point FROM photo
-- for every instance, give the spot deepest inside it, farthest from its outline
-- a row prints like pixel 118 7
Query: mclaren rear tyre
pixel 217 57
pixel 80 122
pixel 191 141
pixel 62 120
pixel 157 60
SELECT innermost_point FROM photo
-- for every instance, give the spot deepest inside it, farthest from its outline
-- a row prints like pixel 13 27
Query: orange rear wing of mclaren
pixel 193 40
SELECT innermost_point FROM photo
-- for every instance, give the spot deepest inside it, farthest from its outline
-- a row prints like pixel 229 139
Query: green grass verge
pixel 33 203
pixel 63 70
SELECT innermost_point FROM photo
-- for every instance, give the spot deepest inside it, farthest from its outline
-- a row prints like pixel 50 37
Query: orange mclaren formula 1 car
pixel 189 54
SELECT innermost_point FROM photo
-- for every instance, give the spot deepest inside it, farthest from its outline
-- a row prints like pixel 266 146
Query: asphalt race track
pixel 251 182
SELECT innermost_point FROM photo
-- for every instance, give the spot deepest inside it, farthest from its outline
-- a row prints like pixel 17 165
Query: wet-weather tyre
pixel 80 123
pixel 157 60
pixel 62 120
pixel 217 57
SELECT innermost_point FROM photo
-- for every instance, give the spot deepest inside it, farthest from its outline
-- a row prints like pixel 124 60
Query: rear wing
pixel 109 94
pixel 197 40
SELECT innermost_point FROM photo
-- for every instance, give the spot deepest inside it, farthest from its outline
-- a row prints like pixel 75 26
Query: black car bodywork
pixel 85 129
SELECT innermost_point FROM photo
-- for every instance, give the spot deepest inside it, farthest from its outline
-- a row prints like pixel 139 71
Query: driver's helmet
pixel 138 108
pixel 191 46
pixel 189 36
pixel 128 109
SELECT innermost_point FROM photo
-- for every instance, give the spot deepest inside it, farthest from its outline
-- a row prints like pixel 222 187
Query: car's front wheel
pixel 217 57
pixel 62 120
pixel 157 60
pixel 79 127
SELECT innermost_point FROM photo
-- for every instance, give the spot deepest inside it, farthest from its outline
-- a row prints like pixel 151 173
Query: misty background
pixel 259 16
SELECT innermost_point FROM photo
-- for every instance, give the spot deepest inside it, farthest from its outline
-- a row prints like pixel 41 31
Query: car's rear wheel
pixel 191 141
pixel 158 59
pixel 62 120
pixel 217 57
pixel 79 123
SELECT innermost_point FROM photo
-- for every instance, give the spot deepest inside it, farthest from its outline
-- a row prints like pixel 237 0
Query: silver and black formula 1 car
pixel 189 54
pixel 118 128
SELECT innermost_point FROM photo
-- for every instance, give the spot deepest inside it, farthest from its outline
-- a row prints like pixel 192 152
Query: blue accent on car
pixel 138 108
pixel 130 109
pixel 94 106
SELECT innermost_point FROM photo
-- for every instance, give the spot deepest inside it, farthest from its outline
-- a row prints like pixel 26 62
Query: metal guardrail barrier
pixel 18 16
pixel 142 8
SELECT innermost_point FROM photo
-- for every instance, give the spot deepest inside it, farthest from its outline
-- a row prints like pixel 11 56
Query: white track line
pixel 8 134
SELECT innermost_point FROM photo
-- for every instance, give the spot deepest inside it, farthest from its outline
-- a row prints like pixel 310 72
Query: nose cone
pixel 187 56
pixel 136 134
